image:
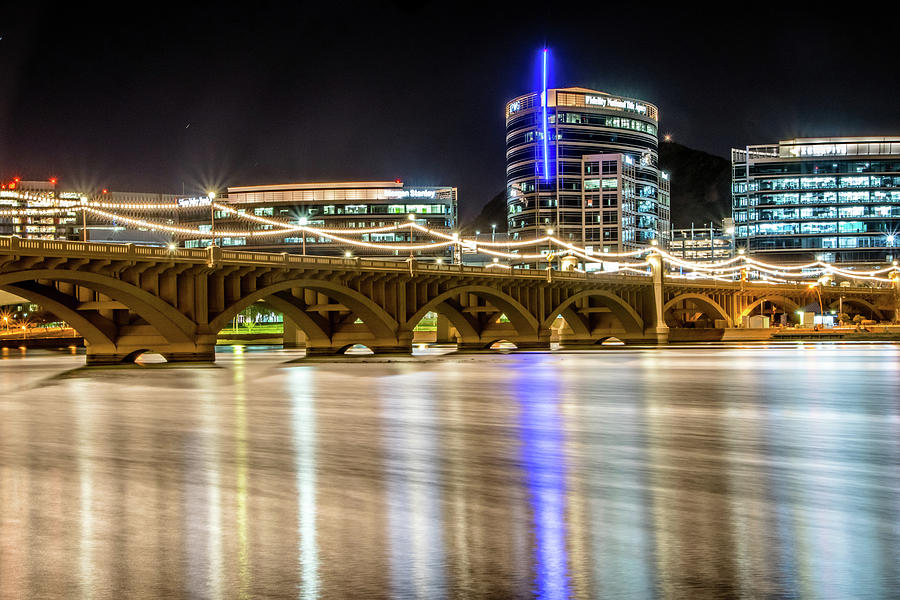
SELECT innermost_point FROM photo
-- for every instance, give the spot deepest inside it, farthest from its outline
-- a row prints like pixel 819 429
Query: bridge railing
pixel 214 254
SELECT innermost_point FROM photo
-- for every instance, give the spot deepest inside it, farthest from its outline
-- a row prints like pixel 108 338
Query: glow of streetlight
pixel 211 195
pixel 348 254
pixel 549 231
pixel 302 221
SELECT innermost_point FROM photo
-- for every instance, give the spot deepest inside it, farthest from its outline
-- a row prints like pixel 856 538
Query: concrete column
pixel 293 336
pixel 896 286
pixel 443 330
pixel 656 270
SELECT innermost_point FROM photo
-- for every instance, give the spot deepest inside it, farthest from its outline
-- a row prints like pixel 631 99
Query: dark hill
pixel 494 212
pixel 701 184
pixel 701 190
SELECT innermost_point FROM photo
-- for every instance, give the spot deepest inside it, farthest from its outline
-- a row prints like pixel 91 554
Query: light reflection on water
pixel 706 471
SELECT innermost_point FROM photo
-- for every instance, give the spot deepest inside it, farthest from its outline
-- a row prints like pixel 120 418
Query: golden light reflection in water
pixel 84 422
pixel 215 561
pixel 602 475
pixel 240 425
pixel 303 409
pixel 413 496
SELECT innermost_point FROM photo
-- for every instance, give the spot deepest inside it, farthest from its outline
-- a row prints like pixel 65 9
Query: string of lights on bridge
pixel 635 261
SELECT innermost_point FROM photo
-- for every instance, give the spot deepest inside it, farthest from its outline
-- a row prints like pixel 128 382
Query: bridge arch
pixel 631 321
pixel 786 303
pixel 710 306
pixel 168 321
pixel 876 312
pixel 96 331
pixel 522 321
pixel 379 322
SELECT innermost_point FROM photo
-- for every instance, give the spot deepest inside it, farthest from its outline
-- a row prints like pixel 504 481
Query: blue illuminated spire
pixel 544 101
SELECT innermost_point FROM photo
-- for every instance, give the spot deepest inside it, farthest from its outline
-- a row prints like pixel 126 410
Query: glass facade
pixel 350 206
pixel 34 196
pixel 702 244
pixel 594 179
pixel 833 199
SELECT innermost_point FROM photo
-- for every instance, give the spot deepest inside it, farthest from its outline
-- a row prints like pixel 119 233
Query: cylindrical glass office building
pixel 550 184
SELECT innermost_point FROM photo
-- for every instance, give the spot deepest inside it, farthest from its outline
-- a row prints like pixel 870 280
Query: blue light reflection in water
pixel 701 472
pixel 544 463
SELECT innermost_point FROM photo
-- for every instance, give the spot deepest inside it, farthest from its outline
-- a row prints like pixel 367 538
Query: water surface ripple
pixel 758 471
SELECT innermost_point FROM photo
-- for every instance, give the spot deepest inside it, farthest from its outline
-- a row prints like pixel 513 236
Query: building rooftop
pixel 328 185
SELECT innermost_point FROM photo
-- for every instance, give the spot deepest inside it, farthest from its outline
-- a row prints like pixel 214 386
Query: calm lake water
pixel 682 472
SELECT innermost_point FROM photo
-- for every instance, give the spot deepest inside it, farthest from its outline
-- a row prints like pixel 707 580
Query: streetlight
pixel 815 286
pixel 302 221
pixel 212 216
pixel 84 235
pixel 493 231
pixel 549 246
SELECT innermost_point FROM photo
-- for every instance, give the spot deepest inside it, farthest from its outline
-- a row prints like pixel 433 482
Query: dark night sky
pixel 212 96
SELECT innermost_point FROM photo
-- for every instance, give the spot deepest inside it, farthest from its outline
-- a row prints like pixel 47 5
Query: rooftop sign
pixel 409 193
pixel 819 150
pixel 616 103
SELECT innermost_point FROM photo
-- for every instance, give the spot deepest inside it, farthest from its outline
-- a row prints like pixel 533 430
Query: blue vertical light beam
pixel 544 115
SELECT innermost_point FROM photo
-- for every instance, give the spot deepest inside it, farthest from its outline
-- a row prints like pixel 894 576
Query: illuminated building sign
pixel 617 103
pixel 819 150
pixel 409 193
pixel 189 202
pixel 515 107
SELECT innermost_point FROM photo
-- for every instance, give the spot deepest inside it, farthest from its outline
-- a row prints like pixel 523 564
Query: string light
pixel 724 270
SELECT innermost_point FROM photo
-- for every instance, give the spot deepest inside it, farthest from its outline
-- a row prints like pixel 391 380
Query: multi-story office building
pixel 343 205
pixel 703 244
pixel 31 198
pixel 835 199
pixel 585 164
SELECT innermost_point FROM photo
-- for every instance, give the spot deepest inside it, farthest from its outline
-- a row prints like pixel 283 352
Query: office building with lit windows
pixel 832 199
pixel 32 197
pixel 342 205
pixel 585 164
pixel 708 243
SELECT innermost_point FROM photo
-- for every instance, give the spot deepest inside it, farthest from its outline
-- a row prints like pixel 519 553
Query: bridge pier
pixel 95 359
pixel 532 345
pixel 480 347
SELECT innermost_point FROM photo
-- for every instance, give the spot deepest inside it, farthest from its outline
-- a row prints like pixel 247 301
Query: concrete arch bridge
pixel 129 299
